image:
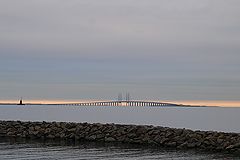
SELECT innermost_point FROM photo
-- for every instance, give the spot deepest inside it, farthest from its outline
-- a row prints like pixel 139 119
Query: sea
pixel 224 119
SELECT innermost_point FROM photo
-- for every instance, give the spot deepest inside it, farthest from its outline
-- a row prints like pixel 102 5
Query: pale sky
pixel 91 49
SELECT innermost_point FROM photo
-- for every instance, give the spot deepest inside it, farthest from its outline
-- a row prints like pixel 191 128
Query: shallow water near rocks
pixel 12 149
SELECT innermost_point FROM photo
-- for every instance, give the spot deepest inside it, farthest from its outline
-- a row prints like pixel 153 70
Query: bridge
pixel 120 103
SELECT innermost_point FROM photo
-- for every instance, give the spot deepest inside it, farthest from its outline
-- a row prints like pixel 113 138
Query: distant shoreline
pixel 185 103
pixel 52 104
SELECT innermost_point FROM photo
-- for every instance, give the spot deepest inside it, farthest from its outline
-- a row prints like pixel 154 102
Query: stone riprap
pixel 139 134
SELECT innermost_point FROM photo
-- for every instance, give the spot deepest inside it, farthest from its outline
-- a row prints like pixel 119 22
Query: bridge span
pixel 120 103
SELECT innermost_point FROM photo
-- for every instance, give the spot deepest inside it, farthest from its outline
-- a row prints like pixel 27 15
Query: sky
pixel 91 49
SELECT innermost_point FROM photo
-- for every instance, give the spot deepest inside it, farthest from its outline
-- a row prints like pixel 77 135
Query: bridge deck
pixel 120 103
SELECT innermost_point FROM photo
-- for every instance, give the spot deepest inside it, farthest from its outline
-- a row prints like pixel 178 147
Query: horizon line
pixel 219 103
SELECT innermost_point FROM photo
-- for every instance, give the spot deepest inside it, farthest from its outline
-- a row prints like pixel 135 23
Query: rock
pixel 132 135
pixel 10 133
pixel 141 130
pixel 169 133
pixel 220 141
pixel 62 135
pixel 100 136
pixel 81 136
pixel 51 136
pixel 72 130
pixel 71 136
pixel 237 145
pixel 35 133
pixel 164 140
pixel 31 128
pixel 171 144
pixel 109 139
pixel 164 136
pixel 233 146
pixel 191 145
pixel 157 138
pixel 230 147
pixel 2 132
pixel 182 146
pixel 92 137
pixel 37 128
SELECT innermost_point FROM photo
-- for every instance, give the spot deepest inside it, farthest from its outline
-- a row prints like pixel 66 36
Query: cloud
pixel 93 26
pixel 121 43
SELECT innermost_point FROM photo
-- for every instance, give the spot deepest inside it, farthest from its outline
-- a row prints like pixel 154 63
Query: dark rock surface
pixel 139 134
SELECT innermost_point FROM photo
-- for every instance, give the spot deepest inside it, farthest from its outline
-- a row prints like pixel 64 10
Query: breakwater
pixel 139 134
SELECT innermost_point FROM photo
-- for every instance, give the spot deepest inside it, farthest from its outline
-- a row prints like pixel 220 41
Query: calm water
pixel 203 118
pixel 220 119
pixel 32 150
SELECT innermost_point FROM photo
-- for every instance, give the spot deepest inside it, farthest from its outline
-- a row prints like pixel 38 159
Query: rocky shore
pixel 139 134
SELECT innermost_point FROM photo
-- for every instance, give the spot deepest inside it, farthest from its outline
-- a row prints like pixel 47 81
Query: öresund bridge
pixel 120 103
